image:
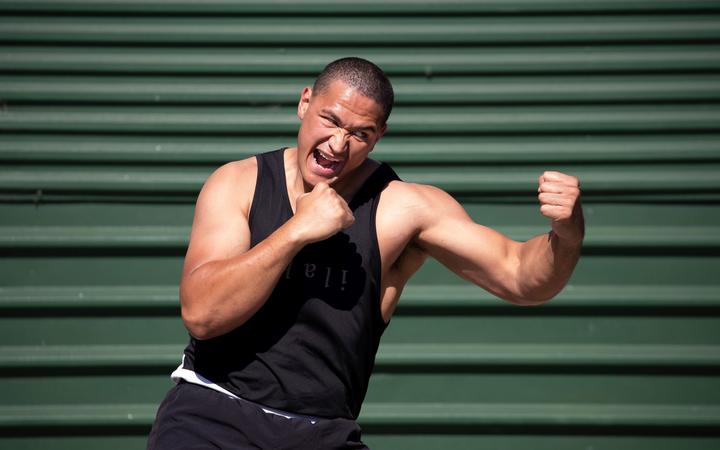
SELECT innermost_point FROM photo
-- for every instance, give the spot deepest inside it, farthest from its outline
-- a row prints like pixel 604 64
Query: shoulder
pixel 233 169
pixel 232 182
pixel 404 195
pixel 415 205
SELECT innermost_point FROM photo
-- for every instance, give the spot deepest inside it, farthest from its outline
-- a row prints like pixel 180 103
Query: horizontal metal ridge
pixel 418 355
pixel 405 120
pixel 90 356
pixel 103 179
pixel 624 178
pixel 612 415
pixel 414 297
pixel 457 179
pixel 414 414
pixel 445 355
pixel 83 415
pixel 94 236
pixel 284 90
pixel 405 149
pixel 101 236
pixel 88 297
pixel 573 295
pixel 423 61
pixel 368 6
pixel 279 30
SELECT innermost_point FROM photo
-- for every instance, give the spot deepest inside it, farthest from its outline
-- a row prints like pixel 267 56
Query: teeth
pixel 326 156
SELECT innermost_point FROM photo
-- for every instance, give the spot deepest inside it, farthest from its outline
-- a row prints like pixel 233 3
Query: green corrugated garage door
pixel 114 113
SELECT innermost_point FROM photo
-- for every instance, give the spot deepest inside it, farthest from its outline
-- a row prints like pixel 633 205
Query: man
pixel 297 259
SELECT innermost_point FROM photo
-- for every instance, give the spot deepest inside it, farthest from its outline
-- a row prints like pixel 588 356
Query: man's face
pixel 339 128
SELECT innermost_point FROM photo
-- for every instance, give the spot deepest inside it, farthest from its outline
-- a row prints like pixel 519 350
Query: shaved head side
pixel 362 75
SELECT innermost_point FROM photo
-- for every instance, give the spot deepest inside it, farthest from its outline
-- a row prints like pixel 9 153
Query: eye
pixel 330 120
pixel 360 135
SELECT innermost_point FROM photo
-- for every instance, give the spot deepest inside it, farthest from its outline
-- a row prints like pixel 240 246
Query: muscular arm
pixel 225 281
pixel 524 273
pixel 546 263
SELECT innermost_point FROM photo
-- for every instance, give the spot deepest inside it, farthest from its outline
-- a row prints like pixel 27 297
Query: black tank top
pixel 311 348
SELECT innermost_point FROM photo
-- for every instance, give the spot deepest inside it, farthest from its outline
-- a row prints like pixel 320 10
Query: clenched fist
pixel 559 196
pixel 321 213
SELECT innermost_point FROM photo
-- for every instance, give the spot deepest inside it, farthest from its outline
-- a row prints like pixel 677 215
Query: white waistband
pixel 193 377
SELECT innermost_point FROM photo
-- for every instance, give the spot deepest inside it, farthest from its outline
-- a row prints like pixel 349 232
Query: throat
pixel 348 187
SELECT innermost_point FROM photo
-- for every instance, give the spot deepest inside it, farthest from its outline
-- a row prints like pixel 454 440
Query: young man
pixel 297 259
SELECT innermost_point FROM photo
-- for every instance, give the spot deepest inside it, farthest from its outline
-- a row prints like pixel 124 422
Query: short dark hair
pixel 362 75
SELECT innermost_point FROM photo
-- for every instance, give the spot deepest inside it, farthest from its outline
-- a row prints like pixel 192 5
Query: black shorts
pixel 196 417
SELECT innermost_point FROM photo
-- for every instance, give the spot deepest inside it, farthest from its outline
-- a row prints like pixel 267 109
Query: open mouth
pixel 326 165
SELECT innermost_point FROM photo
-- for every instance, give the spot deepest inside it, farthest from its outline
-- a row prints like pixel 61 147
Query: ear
pixel 381 131
pixel 304 101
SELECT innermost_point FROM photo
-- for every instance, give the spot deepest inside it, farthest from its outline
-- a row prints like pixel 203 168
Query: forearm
pixel 221 295
pixel 546 263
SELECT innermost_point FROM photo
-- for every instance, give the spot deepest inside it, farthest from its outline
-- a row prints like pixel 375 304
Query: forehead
pixel 341 99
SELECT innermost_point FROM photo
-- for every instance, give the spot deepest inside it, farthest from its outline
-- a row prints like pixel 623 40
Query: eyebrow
pixel 337 120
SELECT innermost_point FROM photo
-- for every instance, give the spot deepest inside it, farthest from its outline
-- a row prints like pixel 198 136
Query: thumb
pixel 322 185
pixel 325 183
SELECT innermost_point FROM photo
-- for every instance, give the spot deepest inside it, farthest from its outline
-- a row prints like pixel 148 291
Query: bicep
pixel 475 252
pixel 220 227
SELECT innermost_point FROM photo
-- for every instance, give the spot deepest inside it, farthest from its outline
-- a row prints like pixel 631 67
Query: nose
pixel 338 140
